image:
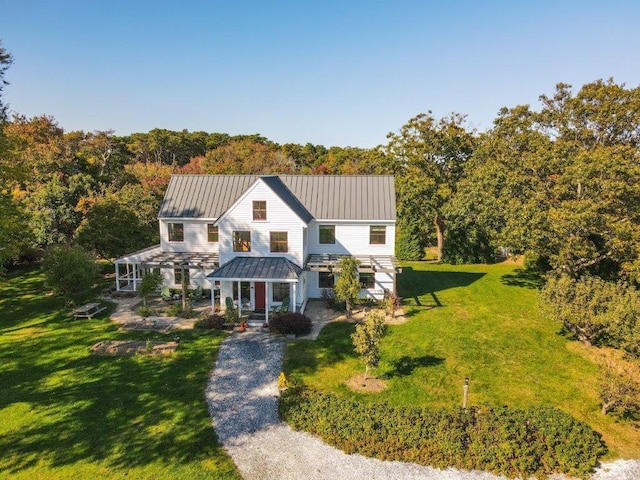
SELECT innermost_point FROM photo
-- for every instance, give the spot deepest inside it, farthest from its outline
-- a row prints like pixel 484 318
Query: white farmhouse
pixel 261 239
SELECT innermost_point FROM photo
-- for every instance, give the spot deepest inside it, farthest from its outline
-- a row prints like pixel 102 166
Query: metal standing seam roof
pixel 324 197
pixel 258 268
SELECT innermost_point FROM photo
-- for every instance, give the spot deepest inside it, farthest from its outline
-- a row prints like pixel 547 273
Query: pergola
pixel 328 262
pixel 135 265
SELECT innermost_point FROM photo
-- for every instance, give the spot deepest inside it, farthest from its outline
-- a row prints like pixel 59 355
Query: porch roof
pixel 258 268
pixel 155 257
pixel 327 262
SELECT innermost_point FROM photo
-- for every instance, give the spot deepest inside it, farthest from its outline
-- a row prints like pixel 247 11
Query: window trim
pixel 277 286
pixel 177 276
pixel 173 229
pixel 213 231
pixel 237 242
pixel 259 212
pixel 284 242
pixel 333 234
pixel 381 234
pixel 330 277
pixel 365 286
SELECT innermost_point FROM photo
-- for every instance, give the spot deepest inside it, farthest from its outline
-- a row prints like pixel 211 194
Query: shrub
pixel 619 392
pixel 174 310
pixel 513 442
pixel 69 271
pixel 290 323
pixel 211 322
pixel 145 311
pixel 232 315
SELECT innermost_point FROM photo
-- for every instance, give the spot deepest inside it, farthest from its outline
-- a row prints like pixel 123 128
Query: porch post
pixel 135 277
pixel 266 301
pixel 212 283
pixel 295 296
pixel 239 300
pixel 117 277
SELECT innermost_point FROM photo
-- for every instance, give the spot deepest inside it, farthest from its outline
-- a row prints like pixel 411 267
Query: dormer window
pixel 259 210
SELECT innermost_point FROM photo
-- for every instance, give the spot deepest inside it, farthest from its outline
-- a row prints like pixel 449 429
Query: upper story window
pixel 176 232
pixel 368 280
pixel 241 241
pixel 327 233
pixel 377 235
pixel 259 209
pixel 279 242
pixel 212 233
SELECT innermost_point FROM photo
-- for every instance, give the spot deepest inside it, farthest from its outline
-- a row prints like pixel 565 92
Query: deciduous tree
pixel 366 340
pixel 347 286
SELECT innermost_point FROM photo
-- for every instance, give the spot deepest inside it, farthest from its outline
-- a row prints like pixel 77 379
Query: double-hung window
pixel 327 234
pixel 377 235
pixel 176 232
pixel 368 280
pixel 212 233
pixel 325 280
pixel 177 272
pixel 259 209
pixel 242 241
pixel 279 242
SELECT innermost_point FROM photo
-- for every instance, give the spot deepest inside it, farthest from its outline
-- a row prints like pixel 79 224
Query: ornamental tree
pixel 347 286
pixel 366 340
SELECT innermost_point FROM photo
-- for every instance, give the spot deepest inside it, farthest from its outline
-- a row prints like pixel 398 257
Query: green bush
pixel 211 322
pixel 513 442
pixel 174 310
pixel 145 311
pixel 290 323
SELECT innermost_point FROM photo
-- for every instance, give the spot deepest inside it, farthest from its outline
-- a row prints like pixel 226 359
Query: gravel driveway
pixel 243 396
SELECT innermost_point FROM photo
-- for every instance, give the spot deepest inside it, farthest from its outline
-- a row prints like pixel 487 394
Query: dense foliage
pixel 290 323
pixel 69 271
pixel 366 340
pixel 513 442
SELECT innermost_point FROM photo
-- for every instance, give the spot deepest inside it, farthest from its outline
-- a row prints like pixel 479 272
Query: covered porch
pixel 257 285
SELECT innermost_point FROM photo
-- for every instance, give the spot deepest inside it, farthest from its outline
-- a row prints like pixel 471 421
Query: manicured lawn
pixel 67 414
pixel 476 321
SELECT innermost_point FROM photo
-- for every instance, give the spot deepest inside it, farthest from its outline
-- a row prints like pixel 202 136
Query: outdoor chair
pixel 165 293
pixel 284 307
pixel 228 301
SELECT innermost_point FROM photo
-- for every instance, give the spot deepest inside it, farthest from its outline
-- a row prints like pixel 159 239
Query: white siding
pixel 195 237
pixel 351 238
pixel 280 218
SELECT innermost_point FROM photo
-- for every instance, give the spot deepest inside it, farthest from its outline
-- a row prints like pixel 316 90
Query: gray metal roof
pixel 258 268
pixel 324 197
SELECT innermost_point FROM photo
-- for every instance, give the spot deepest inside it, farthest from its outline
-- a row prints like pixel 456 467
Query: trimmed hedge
pixel 290 323
pixel 513 442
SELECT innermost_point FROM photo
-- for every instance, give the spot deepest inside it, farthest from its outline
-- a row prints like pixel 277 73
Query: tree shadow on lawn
pixel 405 365
pixel 127 411
pixel 523 278
pixel 332 346
pixel 418 288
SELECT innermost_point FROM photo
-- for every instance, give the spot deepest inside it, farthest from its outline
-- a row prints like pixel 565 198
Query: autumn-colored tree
pixel 247 156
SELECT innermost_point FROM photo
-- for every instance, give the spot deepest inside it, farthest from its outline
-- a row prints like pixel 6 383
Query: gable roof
pixel 324 197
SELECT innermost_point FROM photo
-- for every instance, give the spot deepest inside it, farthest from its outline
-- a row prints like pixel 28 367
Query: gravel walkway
pixel 243 396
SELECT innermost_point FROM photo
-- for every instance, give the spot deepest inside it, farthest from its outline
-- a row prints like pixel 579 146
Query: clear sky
pixel 331 72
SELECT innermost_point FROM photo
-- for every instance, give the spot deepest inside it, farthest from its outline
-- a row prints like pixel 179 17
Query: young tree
pixel 347 286
pixel 150 281
pixel 366 340
pixel 69 270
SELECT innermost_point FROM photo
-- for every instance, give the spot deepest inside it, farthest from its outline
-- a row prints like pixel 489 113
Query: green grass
pixel 67 414
pixel 476 321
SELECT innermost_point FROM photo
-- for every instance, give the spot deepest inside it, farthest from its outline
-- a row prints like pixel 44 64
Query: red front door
pixel 259 295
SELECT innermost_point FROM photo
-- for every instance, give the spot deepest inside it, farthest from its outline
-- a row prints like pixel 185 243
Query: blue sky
pixel 326 72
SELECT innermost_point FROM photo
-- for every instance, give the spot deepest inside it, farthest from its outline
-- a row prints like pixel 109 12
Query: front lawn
pixel 65 413
pixel 476 321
